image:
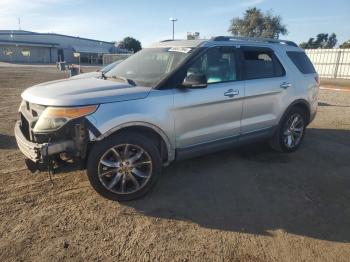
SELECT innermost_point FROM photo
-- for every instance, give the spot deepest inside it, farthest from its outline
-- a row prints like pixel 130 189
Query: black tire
pixel 102 148
pixel 278 140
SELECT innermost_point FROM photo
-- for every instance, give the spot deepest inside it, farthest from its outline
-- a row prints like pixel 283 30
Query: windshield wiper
pixel 103 76
pixel 126 80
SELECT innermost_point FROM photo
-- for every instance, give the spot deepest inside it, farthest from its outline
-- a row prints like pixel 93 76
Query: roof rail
pixel 254 39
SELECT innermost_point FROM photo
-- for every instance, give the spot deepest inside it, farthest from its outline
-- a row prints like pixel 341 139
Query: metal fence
pixel 110 58
pixel 331 63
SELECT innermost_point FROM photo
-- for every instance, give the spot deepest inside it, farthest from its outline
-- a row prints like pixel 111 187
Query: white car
pixel 175 100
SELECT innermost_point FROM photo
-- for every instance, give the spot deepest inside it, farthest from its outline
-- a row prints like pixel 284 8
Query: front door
pixel 213 113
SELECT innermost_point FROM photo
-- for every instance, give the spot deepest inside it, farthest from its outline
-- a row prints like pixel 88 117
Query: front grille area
pixel 29 114
pixel 25 127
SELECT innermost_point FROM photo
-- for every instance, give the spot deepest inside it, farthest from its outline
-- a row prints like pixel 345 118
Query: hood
pixel 86 91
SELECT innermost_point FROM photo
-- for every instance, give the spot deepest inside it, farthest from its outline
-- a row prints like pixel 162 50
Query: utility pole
pixel 19 23
pixel 173 20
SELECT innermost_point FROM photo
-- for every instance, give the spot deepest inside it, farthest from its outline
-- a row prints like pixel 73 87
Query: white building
pixel 25 46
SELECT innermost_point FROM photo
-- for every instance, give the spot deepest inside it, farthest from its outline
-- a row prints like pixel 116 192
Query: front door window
pixel 218 64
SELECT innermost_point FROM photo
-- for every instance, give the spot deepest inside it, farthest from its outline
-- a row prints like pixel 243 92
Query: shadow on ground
pixel 255 190
pixel 326 104
pixel 7 142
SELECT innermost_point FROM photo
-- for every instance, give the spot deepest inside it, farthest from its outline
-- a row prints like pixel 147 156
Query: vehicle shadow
pixel 327 104
pixel 7 142
pixel 256 190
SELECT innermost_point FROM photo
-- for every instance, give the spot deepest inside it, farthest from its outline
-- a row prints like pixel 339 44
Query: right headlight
pixel 54 118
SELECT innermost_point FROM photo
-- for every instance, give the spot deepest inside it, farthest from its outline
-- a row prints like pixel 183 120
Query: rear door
pixel 212 113
pixel 267 87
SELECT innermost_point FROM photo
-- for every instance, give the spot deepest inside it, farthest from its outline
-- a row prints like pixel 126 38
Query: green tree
pixel 331 41
pixel 304 45
pixel 322 41
pixel 255 23
pixel 346 44
pixel 131 44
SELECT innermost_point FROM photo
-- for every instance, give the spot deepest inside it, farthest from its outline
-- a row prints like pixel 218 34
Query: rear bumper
pixel 38 153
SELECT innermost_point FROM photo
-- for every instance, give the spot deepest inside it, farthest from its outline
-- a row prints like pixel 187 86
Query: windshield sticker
pixel 180 49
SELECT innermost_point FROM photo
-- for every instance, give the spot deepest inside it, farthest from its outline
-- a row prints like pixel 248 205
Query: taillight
pixel 317 79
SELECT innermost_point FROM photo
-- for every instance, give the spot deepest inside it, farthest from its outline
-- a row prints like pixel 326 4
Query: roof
pixel 26 43
pixel 179 43
pixel 254 39
pixel 227 40
pixel 14 31
pixel 23 32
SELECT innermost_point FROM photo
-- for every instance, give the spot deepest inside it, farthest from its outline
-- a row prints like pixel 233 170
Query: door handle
pixel 231 93
pixel 285 85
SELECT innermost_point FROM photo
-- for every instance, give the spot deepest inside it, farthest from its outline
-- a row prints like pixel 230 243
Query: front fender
pixel 153 112
pixel 169 146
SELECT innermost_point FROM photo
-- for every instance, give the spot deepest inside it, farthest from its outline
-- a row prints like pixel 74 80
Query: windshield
pixel 110 66
pixel 148 66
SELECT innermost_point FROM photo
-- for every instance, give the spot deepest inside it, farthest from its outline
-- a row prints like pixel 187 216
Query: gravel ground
pixel 248 204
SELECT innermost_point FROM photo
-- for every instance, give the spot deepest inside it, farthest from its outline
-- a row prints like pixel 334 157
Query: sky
pixel 148 20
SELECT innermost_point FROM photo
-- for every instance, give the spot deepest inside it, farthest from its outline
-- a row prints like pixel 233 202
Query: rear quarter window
pixel 302 62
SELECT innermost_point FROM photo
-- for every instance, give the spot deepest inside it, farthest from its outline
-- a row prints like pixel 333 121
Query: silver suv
pixel 175 100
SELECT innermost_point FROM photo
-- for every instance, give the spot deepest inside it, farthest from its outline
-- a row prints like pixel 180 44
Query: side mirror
pixel 195 81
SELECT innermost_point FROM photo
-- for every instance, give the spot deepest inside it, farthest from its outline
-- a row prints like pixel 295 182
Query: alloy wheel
pixel 125 168
pixel 293 131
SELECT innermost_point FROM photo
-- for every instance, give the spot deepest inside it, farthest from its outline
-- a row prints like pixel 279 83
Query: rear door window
pixel 302 62
pixel 261 63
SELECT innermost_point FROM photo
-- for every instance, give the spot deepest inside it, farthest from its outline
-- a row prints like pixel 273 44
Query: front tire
pixel 290 132
pixel 124 166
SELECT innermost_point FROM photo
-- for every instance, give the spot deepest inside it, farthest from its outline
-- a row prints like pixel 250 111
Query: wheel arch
pixel 151 131
pixel 302 104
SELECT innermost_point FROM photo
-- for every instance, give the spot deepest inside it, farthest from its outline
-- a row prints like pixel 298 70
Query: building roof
pixel 23 32
pixel 26 43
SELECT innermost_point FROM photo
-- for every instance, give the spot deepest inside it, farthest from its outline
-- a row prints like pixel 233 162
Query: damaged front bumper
pixel 39 154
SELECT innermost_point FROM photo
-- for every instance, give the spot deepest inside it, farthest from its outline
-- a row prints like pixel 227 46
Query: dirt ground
pixel 248 204
pixel 336 83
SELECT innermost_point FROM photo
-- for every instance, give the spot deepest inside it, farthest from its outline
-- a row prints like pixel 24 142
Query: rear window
pixel 302 62
pixel 261 64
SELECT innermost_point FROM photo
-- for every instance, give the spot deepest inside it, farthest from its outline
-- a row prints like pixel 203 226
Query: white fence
pixel 331 63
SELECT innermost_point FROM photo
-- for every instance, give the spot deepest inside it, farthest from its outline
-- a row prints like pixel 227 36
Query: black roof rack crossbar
pixel 254 39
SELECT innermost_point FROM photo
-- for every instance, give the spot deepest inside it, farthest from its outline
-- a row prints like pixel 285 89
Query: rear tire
pixel 124 167
pixel 290 132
